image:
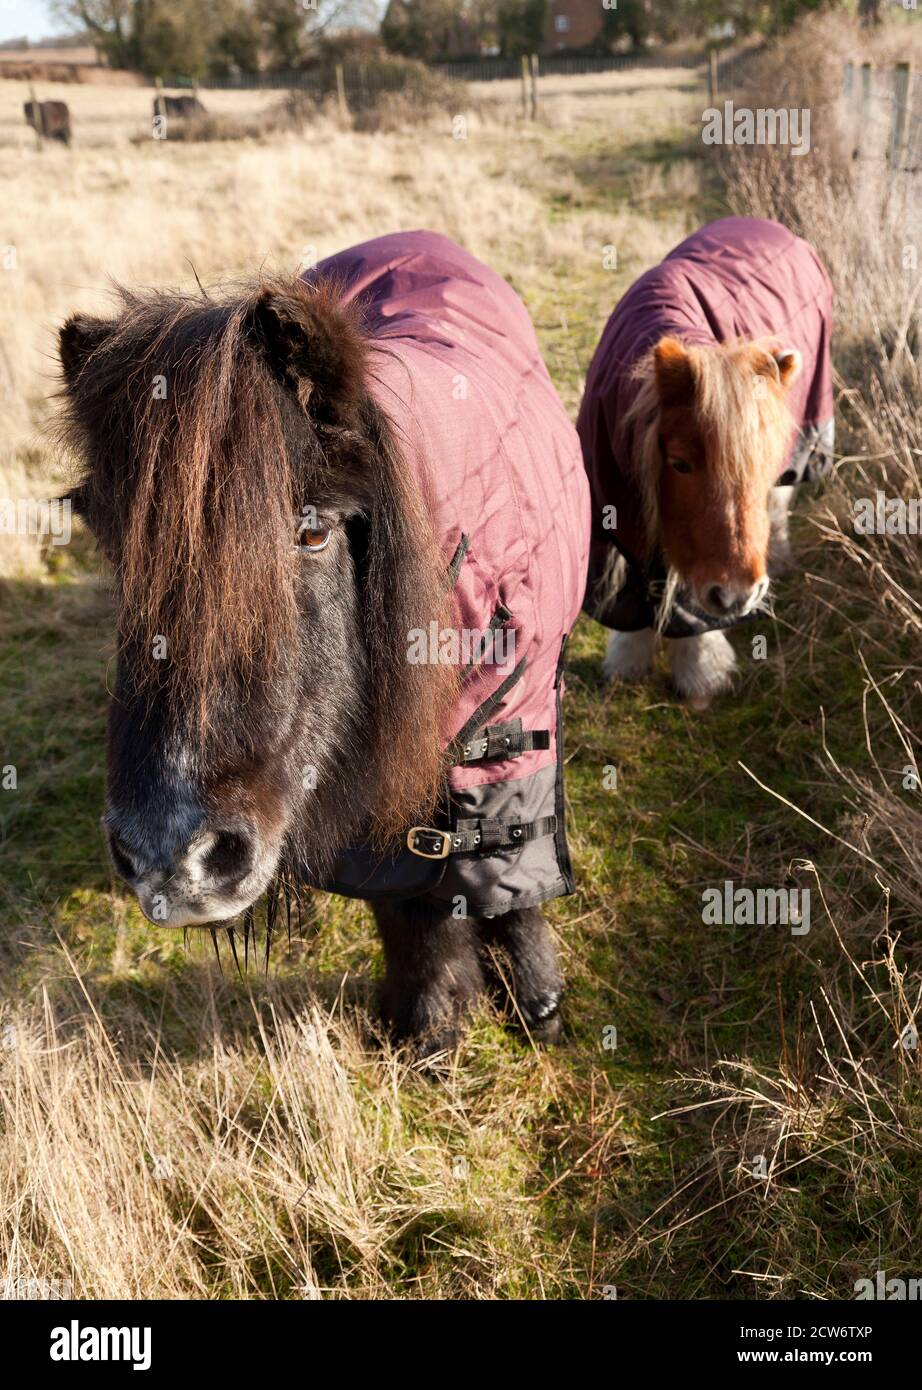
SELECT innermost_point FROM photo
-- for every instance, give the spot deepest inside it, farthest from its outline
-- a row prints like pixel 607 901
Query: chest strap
pixel 507 740
pixel 481 836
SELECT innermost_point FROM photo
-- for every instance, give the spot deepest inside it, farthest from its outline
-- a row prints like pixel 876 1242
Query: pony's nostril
pixel 230 856
pixel 718 598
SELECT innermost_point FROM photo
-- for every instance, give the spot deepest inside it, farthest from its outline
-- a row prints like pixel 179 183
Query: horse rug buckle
pixel 429 843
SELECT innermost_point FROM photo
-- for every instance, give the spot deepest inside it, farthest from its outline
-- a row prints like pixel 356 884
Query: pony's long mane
pixel 179 421
pixel 191 491
pixel 743 427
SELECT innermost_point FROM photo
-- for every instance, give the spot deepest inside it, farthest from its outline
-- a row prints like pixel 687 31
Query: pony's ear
pixel 789 363
pixel 313 345
pixel 675 379
pixel 78 338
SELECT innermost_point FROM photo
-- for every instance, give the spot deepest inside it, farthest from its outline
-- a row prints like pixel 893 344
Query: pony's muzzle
pixel 213 875
pixel 735 600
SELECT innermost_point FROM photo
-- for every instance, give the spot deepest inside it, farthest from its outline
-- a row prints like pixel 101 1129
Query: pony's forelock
pixel 183 430
pixel 741 408
pixel 748 428
pixel 182 421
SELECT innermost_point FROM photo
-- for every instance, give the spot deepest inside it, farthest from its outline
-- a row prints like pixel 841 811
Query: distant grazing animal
pixel 178 107
pixel 354 531
pixel 708 399
pixel 50 118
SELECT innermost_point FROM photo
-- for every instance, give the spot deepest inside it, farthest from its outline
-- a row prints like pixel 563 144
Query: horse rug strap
pixel 480 836
pixel 508 740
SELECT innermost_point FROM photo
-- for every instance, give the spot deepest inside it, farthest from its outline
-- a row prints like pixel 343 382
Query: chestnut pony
pixel 708 399
pixel 714 431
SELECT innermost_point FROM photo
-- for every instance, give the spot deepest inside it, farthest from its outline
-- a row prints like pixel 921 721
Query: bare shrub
pixel 839 1113
pixel 383 93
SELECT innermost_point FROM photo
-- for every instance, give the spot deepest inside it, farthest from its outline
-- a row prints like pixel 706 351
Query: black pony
pixel 272 551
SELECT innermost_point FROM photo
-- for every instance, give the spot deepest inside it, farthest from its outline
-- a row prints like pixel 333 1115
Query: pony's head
pixel 715 430
pixel 270 553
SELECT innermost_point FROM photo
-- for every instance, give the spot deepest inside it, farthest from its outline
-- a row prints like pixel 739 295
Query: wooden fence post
pixel 862 107
pixel 534 86
pixel 524 87
pixel 713 73
pixel 38 119
pixel 850 102
pixel 159 103
pixel 902 87
pixel 341 92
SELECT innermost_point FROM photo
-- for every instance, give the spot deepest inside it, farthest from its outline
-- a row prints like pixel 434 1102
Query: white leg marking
pixel 779 548
pixel 630 655
pixel 702 666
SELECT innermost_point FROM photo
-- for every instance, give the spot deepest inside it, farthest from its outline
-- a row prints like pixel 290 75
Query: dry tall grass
pixel 866 218
pixel 271 1160
pixel 845 1092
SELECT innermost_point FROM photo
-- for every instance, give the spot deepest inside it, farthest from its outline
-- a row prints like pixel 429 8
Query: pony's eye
pixel 680 465
pixel 313 538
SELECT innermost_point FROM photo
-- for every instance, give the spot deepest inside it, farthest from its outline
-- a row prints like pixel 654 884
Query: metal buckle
pixel 442 837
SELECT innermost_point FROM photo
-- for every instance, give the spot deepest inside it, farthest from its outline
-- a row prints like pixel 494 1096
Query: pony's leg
pixel 630 655
pixel 522 959
pixel 779 547
pixel 702 667
pixel 433 973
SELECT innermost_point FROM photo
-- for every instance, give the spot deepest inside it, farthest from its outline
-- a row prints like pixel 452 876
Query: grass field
pixel 168 1129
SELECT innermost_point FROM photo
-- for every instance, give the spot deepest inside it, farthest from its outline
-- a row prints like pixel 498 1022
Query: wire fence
pixel 561 65
pixel 464 70
pixel 362 85
pixel 396 74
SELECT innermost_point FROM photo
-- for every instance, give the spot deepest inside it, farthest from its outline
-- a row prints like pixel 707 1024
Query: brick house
pixel 572 24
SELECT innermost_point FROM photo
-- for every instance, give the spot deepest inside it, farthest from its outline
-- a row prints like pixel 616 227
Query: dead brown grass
pixel 272 1160
pixel 845 1091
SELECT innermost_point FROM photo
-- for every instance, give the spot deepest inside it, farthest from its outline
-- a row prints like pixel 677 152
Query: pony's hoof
pixel 429 1029
pixel 540 1018
pixel 434 1056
